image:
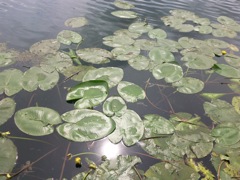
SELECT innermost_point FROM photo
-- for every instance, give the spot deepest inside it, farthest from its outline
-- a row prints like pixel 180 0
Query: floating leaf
pixel 187 15
pixel 37 121
pixel 123 167
pixel 10 81
pixel 123 4
pixel 145 44
pixel 125 53
pixel 165 170
pixel 158 124
pixel 224 33
pixel 188 85
pixel 130 92
pixel 88 94
pixel 160 56
pixel 139 63
pixel 217 43
pixel 118 41
pixel 170 72
pixel 76 22
pixel 221 111
pixel 125 14
pixel 184 27
pixel 232 60
pixel 211 96
pixel 228 71
pixel 8 156
pixel 172 21
pixel 58 62
pixel 235 85
pixel 157 33
pixel 6 59
pixel 68 37
pixel 140 27
pixel 112 75
pixel 226 20
pixel 168 44
pixel 236 103
pixel 49 46
pixel 36 77
pixel 94 55
pixel 203 29
pixel 114 105
pixel 126 32
pixel 7 108
pixel 85 125
pixel 202 21
pixel 129 128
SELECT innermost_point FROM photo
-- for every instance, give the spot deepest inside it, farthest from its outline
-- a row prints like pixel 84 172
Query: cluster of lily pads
pixel 177 140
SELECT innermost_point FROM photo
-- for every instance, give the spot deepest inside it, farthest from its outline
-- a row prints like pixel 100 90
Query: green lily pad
pixel 236 103
pixel 232 60
pixel 172 21
pixel 217 43
pixel 7 108
pixel 129 128
pixel 49 46
pixel 113 105
pixel 235 85
pixel 126 32
pixel 157 33
pixel 168 44
pixel 68 37
pixel 37 121
pixel 36 77
pixel 88 94
pixel 202 21
pixel 140 27
pixel 228 71
pixel 184 27
pixel 203 29
pixel 184 14
pixel 94 55
pixel 224 33
pixel 188 85
pixel 139 63
pixel 170 72
pixel 130 92
pixel 123 4
pixel 8 156
pixel 145 44
pixel 117 41
pixel 76 22
pixel 10 81
pixel 55 62
pixel 112 75
pixel 85 125
pixel 160 56
pixel 6 59
pixel 125 14
pixel 76 73
pixel 211 96
pixel 226 20
pixel 125 53
pixel 158 124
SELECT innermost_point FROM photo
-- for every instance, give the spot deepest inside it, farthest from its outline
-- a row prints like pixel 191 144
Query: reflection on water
pixel 25 22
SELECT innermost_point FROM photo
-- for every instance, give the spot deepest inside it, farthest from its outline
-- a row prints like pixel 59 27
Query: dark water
pixel 25 22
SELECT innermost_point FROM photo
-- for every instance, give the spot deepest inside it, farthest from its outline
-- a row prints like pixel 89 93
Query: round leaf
pixel 6 58
pixel 76 22
pixel 114 105
pixel 160 56
pixel 228 71
pixel 139 63
pixel 140 27
pixel 37 121
pixel 7 108
pixel 123 4
pixel 157 33
pixel 125 53
pixel 232 60
pixel 130 92
pixel 67 37
pixel 85 125
pixel 125 14
pixel 49 46
pixel 118 41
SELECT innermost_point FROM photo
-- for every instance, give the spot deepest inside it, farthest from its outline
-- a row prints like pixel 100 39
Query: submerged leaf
pixel 7 108
pixel 85 125
pixel 125 14
pixel 130 92
pixel 37 121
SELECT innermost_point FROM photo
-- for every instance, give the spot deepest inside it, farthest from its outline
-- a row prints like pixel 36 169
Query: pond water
pixel 23 23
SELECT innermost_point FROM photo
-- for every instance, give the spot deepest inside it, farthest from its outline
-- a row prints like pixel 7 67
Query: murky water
pixel 25 22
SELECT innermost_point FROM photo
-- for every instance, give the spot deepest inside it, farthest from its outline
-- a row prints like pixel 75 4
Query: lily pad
pixel 76 22
pixel 139 63
pixel 117 41
pixel 170 72
pixel 203 29
pixel 157 33
pixel 88 94
pixel 234 85
pixel 129 128
pixel 125 53
pixel 145 44
pixel 7 108
pixel 10 81
pixel 126 32
pixel 170 45
pixel 94 55
pixel 217 43
pixel 232 60
pixel 85 125
pixel 236 103
pixel 228 71
pixel 140 27
pixel 35 77
pixel 160 56
pixel 211 96
pixel 123 4
pixel 184 27
pixel 6 59
pixel 130 92
pixel 112 75
pixel 113 105
pixel 37 121
pixel 8 156
pixel 125 14
pixel 49 46
pixel 226 20
pixel 68 37
pixel 188 85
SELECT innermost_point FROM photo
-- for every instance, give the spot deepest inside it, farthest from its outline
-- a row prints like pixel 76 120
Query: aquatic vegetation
pixel 102 96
